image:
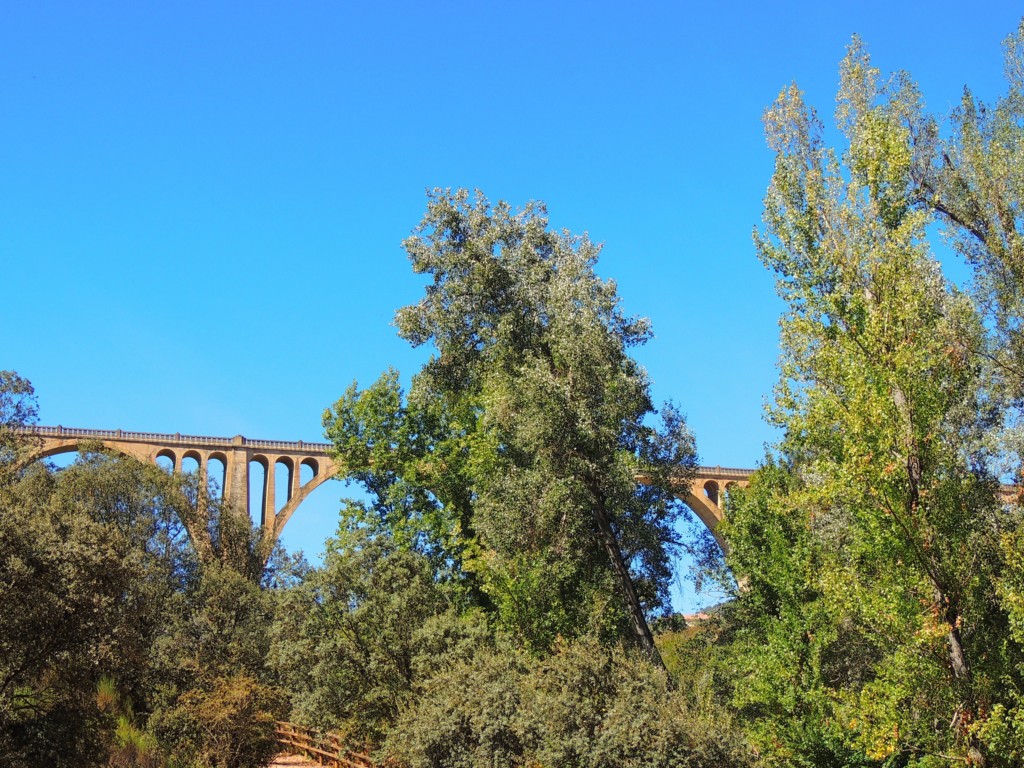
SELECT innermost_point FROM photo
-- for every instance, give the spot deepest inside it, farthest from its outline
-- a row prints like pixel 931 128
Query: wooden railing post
pixel 326 748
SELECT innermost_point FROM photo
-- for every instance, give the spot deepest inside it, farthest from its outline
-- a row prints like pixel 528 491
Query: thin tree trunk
pixel 950 610
pixel 611 545
pixel 957 657
pixel 951 613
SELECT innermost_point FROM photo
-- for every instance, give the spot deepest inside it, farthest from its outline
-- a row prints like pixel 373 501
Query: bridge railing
pixel 121 434
pixel 287 446
pixel 724 472
pixel 326 748
pixel 177 438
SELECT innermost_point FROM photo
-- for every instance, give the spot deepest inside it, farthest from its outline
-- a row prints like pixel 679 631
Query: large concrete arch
pixel 74 444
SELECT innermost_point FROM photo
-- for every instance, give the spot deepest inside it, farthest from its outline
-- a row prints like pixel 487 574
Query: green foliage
pixel 374 647
pixel 62 579
pixel 131 746
pixel 111 630
pixel 385 441
pixel 219 627
pixel 785 646
pixel 18 408
pixel 224 722
pixel 352 642
pixel 484 607
pixel 869 628
pixel 1002 731
pixel 89 558
pixel 212 704
pixel 512 460
pixel 976 187
pixel 587 704
pixel 464 716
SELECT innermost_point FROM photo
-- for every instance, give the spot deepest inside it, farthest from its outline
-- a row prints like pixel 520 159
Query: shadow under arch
pixel 82 446
pixel 216 479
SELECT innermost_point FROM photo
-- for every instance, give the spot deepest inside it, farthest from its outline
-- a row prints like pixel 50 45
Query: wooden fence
pixel 326 748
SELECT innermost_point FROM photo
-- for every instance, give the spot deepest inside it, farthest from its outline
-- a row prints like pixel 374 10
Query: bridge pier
pixel 236 488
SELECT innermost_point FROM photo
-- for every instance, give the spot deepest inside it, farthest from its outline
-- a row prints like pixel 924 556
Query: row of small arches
pixel 284 467
pixel 713 491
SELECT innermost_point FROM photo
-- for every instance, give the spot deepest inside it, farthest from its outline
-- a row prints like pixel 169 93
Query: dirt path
pixel 291 761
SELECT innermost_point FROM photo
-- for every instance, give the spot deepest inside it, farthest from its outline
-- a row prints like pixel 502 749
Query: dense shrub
pixel 88 559
pixel 352 643
pixel 225 723
pixel 213 706
pixel 466 716
pixel 583 705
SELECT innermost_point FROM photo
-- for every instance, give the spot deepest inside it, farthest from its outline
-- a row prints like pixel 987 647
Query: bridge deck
pixel 178 439
pixel 209 441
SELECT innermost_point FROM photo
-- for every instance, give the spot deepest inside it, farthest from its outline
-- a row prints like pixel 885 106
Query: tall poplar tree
pixel 882 401
pixel 976 186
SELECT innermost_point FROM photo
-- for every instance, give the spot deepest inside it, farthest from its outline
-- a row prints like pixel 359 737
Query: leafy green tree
pixel 514 457
pixel 973 180
pixel 141 509
pixel 1003 729
pixel 89 559
pixel 62 579
pixel 355 639
pixel 18 409
pixel 410 456
pixel 975 184
pixel 884 410
pixel 109 623
pixel 213 699
pixel 226 722
pixel 788 653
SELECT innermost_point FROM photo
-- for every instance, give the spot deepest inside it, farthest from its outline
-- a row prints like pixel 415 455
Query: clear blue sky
pixel 201 205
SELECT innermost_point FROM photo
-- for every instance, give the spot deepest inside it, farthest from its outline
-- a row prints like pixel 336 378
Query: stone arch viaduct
pixel 703 494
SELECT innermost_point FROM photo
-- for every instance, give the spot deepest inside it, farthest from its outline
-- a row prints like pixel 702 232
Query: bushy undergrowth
pixel 226 723
pixel 585 704
pixel 373 647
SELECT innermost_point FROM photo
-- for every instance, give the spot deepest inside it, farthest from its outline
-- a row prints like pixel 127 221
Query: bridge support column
pixel 269 495
pixel 236 494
